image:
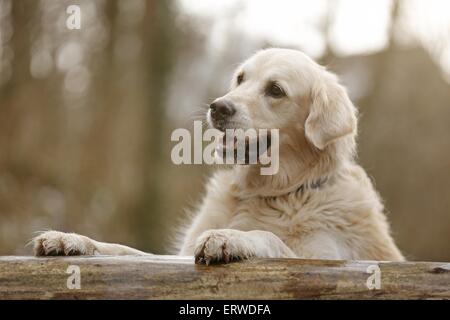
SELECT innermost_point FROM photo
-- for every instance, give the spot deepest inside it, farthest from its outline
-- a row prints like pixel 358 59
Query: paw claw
pixel 226 257
pixel 54 243
pixel 219 246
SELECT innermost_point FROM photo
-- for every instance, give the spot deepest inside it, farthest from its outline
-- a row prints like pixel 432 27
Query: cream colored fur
pixel 319 205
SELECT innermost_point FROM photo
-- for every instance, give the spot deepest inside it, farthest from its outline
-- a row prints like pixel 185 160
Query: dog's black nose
pixel 222 109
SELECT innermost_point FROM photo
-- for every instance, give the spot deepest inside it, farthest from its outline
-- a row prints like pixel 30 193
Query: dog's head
pixel 286 90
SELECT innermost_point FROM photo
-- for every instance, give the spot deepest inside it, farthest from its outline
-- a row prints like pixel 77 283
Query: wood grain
pixel 170 277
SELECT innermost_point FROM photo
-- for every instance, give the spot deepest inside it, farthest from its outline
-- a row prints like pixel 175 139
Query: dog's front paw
pixel 55 243
pixel 222 246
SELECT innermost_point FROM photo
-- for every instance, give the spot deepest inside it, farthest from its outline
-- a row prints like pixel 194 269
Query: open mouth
pixel 242 147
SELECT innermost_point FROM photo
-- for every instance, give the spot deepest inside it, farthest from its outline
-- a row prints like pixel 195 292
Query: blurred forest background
pixel 86 115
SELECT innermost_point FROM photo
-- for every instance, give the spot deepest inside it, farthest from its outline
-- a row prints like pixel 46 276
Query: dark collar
pixel 313 185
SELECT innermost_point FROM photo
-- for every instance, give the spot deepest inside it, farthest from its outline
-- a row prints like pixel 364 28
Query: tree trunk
pixel 169 277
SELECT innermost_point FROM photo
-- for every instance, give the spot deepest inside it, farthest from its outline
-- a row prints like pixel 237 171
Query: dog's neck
pixel 314 185
pixel 301 166
pixel 250 183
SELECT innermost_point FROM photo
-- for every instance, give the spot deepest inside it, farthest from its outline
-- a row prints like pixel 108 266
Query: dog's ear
pixel 332 115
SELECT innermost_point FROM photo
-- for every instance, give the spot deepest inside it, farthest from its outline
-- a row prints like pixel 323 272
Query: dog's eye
pixel 275 91
pixel 240 78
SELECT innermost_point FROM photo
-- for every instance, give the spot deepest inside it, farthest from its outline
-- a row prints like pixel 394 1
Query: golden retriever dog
pixel 319 205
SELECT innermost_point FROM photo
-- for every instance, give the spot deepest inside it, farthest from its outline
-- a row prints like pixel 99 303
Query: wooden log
pixel 170 277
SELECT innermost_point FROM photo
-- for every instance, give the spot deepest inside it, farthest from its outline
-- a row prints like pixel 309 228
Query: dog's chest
pixel 282 215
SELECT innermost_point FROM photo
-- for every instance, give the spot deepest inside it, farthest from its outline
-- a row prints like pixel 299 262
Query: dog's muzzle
pixel 221 111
